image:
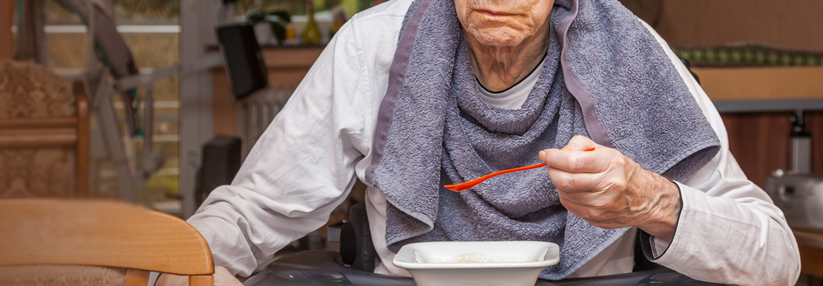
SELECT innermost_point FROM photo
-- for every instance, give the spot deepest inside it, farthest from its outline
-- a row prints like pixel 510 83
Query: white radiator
pixel 256 113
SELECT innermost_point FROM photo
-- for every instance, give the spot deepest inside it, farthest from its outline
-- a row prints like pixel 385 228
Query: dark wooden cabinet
pixel 760 141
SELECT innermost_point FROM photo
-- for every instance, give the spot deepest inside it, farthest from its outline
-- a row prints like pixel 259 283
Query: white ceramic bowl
pixel 477 262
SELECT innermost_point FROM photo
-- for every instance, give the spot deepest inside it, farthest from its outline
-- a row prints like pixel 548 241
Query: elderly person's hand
pixel 609 190
pixel 222 277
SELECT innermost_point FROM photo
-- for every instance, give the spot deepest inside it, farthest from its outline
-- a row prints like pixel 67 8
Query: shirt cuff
pixel 659 246
pixel 653 247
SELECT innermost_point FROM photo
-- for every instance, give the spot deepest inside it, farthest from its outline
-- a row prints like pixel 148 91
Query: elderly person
pixel 411 96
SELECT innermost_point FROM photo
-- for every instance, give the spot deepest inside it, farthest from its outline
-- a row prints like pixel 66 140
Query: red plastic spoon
pixel 470 184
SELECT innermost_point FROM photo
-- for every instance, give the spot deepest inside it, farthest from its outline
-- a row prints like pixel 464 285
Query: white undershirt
pixel 513 97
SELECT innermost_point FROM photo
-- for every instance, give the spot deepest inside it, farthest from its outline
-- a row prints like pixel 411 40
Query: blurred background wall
pixel 794 24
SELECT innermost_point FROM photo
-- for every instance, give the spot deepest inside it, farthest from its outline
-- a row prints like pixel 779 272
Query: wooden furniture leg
pixel 136 277
pixel 201 280
pixel 6 38
pixel 83 137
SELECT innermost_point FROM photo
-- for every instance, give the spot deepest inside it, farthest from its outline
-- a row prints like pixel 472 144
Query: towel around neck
pixel 604 77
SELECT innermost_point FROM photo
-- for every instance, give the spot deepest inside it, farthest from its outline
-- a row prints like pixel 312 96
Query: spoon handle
pixel 470 184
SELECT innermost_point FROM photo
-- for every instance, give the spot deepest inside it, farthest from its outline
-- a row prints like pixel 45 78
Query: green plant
pixel 276 19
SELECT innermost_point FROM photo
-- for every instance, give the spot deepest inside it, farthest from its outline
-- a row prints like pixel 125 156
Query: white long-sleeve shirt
pixel 307 161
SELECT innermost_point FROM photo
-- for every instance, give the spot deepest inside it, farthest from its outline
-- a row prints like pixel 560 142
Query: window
pixel 151 30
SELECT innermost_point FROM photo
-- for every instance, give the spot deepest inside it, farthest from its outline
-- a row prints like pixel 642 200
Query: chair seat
pixel 60 275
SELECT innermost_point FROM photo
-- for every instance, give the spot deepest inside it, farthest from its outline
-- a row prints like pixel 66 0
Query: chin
pixel 498 37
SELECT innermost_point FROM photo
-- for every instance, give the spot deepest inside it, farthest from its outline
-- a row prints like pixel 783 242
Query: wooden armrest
pixel 38 123
pixel 38 132
pixel 38 137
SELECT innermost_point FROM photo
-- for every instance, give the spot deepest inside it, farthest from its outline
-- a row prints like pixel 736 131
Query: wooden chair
pixel 44 133
pixel 118 240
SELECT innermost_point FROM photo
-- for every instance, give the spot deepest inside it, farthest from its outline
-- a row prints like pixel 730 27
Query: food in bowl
pixel 480 258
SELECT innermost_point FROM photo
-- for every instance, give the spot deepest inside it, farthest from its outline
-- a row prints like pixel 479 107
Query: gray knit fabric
pixel 604 76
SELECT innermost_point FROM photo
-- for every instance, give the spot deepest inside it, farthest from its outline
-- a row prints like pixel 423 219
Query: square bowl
pixel 476 262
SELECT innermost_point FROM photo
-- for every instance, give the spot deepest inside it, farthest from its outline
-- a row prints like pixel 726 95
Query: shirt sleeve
pixel 301 168
pixel 728 231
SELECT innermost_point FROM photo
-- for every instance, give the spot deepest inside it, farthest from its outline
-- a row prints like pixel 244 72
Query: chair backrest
pixel 37 231
pixel 44 133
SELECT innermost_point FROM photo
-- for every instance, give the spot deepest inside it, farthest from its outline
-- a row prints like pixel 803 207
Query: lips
pixel 492 13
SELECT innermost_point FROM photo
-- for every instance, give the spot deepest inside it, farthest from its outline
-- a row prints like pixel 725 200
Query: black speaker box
pixel 221 161
pixel 244 63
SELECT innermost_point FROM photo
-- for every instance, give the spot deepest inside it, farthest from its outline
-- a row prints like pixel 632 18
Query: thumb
pixel 579 143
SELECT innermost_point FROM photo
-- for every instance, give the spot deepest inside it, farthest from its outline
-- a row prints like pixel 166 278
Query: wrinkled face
pixel 503 23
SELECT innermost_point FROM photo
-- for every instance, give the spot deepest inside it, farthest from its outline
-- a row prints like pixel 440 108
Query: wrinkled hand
pixel 609 190
pixel 222 277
